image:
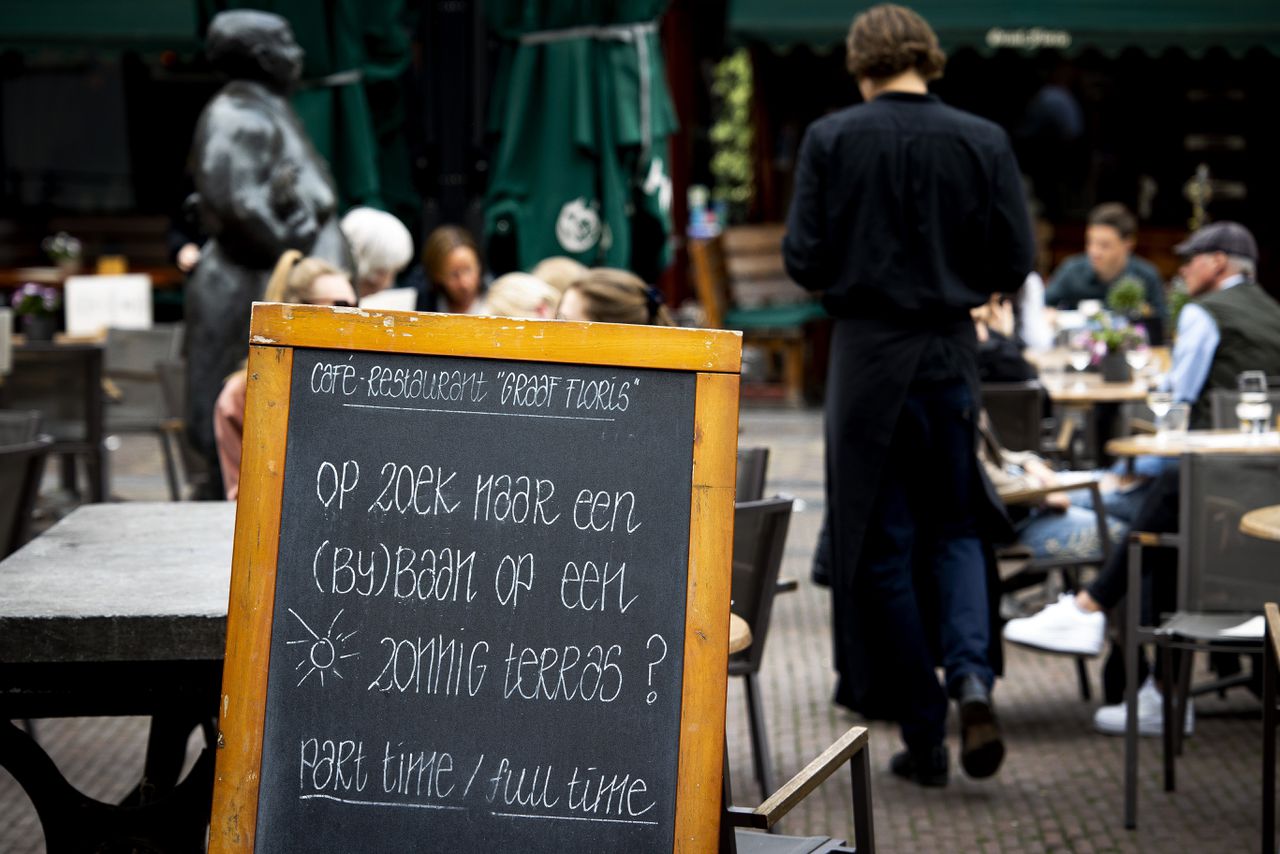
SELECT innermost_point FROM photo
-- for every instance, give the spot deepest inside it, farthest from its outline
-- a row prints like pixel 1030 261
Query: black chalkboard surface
pixel 479 607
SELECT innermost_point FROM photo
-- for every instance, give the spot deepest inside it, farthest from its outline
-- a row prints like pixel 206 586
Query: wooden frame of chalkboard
pixel 286 339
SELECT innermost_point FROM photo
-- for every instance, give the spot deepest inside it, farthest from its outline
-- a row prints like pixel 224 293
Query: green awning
pixel 581 114
pixel 1069 25
pixel 97 25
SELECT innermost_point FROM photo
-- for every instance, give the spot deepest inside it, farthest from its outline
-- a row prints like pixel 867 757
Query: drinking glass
pixel 1253 409
pixel 1175 420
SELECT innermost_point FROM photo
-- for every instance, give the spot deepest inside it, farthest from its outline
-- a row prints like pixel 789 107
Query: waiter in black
pixel 907 214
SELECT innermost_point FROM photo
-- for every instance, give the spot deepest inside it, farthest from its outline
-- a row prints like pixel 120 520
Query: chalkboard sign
pixel 480 586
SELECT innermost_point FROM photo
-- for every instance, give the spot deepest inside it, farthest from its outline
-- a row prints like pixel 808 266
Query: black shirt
pixel 948 225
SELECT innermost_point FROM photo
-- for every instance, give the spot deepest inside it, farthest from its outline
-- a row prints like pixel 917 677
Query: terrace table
pixel 119 609
pixel 1195 442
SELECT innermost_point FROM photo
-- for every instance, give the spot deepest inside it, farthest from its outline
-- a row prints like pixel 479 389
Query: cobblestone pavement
pixel 1060 788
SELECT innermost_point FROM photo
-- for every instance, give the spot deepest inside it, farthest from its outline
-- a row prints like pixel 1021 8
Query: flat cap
pixel 1229 237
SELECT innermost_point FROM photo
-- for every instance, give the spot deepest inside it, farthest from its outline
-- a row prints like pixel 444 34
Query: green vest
pixel 1248 323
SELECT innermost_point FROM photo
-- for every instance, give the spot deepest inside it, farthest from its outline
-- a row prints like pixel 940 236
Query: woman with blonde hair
pixel 609 295
pixel 296 279
pixel 521 295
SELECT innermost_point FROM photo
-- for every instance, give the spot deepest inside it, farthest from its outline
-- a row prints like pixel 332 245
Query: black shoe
pixel 926 767
pixel 981 747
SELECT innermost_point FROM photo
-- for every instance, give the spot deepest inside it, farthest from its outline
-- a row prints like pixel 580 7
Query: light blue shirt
pixel 1198 339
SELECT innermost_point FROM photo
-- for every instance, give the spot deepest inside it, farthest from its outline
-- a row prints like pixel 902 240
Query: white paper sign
pixel 94 303
pixel 392 299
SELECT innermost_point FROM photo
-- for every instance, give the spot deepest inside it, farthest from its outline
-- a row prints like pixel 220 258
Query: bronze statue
pixel 261 188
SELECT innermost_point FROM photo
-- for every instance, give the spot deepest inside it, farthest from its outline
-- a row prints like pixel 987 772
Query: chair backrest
pixel 129 362
pixel 1015 411
pixel 753 469
pixel 173 388
pixel 21 468
pixel 759 536
pixel 1222 403
pixel 63 382
pixel 19 426
pixel 742 268
pixel 1220 568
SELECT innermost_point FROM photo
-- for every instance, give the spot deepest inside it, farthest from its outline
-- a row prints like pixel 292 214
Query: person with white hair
pixel 382 247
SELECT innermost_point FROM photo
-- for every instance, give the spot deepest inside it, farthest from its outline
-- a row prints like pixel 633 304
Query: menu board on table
pixel 485 577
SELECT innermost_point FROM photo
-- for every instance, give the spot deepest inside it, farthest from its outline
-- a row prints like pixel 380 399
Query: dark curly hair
pixel 887 40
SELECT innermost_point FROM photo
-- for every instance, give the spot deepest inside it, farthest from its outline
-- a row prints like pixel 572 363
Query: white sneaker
pixel 1110 719
pixel 1060 627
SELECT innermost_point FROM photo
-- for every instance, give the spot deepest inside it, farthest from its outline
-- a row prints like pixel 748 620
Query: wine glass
pixel 1139 353
pixel 1253 409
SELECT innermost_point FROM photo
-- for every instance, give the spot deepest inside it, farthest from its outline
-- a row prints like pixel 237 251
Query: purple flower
pixel 32 298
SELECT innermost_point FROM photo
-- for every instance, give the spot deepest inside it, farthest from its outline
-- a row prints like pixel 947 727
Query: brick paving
pixel 1060 788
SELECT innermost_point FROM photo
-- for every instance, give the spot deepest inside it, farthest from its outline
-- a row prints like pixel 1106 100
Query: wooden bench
pixel 741 282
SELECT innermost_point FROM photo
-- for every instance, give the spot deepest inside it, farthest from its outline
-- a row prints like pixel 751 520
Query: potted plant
pixel 37 307
pixel 64 250
pixel 1112 338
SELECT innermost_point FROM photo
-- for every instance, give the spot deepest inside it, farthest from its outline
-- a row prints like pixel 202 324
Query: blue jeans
pixel 923 563
pixel 1073 532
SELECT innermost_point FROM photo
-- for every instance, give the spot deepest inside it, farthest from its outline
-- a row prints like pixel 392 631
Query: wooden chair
pixel 64 383
pixel 759 537
pixel 135 401
pixel 741 282
pixel 746 824
pixel 1224 577
pixel 21 468
pixel 1271 668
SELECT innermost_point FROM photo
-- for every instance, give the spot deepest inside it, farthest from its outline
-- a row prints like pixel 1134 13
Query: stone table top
pixel 129 581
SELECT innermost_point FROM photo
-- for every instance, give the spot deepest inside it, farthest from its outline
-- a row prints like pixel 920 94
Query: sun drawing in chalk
pixel 322 654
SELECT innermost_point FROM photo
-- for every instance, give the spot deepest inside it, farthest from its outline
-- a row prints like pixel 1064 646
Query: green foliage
pixel 732 135
pixel 1128 296
pixel 1115 336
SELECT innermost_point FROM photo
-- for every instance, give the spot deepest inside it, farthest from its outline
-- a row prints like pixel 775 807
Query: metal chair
pixel 1020 571
pixel 759 536
pixel 753 467
pixel 64 383
pixel 135 401
pixel 21 468
pixel 192 465
pixel 1271 665
pixel 1016 415
pixel 1224 577
pixel 19 426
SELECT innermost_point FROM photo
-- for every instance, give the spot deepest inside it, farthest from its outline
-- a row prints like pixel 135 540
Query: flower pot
pixel 1115 369
pixel 39 327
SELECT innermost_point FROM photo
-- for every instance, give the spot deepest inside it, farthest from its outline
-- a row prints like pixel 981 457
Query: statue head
pixel 253 45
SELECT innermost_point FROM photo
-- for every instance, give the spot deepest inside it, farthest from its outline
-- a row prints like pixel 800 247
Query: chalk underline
pixel 476 412
pixel 575 818
pixel 361 803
